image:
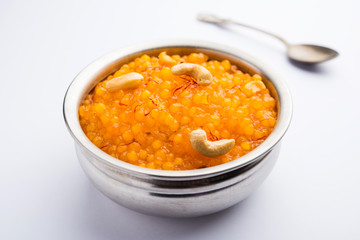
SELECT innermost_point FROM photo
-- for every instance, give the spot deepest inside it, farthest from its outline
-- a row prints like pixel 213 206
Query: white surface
pixel 313 192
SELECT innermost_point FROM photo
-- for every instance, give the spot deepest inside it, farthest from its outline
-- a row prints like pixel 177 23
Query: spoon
pixel 303 53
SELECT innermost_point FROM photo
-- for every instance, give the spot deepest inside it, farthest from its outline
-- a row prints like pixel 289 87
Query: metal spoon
pixel 304 53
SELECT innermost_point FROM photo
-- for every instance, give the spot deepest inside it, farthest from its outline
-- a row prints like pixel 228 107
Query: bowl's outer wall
pixel 181 200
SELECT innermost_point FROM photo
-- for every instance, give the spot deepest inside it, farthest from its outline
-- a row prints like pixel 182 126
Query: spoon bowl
pixel 307 53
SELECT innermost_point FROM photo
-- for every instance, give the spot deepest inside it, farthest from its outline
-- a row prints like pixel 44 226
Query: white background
pixel 313 191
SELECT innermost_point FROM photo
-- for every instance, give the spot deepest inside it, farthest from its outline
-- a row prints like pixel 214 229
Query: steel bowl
pixel 176 193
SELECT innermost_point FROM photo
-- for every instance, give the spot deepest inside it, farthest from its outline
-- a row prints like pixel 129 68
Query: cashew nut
pixel 207 148
pixel 200 73
pixel 127 81
pixel 166 59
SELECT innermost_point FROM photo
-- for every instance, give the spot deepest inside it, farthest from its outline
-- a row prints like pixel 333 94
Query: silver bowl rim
pixel 72 96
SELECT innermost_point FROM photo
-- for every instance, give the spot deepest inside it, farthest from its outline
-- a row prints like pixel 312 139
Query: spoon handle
pixel 210 18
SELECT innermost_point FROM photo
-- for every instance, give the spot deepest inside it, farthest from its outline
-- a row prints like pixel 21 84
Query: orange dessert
pixel 178 112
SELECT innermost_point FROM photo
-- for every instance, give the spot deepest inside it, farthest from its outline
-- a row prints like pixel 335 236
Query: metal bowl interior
pixel 97 71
